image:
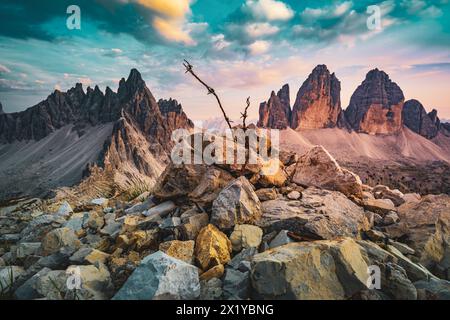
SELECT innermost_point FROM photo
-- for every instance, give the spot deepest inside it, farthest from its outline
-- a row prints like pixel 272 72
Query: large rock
pixel 381 206
pixel 40 226
pixel 329 270
pixel 212 248
pixel 436 255
pixel 236 204
pixel 418 221
pixel 182 250
pixel 320 214
pixel 434 289
pixel 8 277
pixel 60 238
pixel 160 276
pixel 245 236
pixel 199 182
pixel 318 103
pixel 318 168
pixel 376 105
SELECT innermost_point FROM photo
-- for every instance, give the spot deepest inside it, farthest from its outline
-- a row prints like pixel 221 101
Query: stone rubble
pixel 209 233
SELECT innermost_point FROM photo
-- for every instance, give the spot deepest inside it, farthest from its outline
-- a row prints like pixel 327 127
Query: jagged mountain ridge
pixel 376 107
pixel 133 147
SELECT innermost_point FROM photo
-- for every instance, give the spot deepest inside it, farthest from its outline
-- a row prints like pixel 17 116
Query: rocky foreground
pixel 312 231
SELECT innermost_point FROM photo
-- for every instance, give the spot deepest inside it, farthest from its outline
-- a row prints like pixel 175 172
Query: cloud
pixel 271 10
pixel 173 9
pixel 172 30
pixel 256 30
pixel 259 47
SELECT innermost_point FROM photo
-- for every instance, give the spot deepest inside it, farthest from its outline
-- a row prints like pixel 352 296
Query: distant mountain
pixel 70 135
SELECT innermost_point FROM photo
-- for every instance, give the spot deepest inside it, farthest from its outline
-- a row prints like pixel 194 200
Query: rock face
pixel 416 118
pixel 330 270
pixel 318 103
pixel 318 168
pixel 136 151
pixel 276 113
pixel 236 204
pixel 1 109
pixel 174 115
pixel 320 214
pixel 160 276
pixel 212 247
pixel 376 105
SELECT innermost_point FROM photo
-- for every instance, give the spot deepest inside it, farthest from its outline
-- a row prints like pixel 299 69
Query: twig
pixel 189 69
pixel 244 114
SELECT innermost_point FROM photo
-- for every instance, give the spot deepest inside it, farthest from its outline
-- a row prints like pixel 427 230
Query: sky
pixel 240 47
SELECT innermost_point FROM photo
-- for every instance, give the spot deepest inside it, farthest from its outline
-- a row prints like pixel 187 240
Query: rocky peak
pixel 416 118
pixel 276 112
pixel 133 84
pixel 318 102
pixel 174 115
pixel 1 109
pixel 434 117
pixel 285 99
pixel 376 105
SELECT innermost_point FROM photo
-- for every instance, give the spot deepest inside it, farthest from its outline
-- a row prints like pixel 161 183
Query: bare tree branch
pixel 244 114
pixel 189 69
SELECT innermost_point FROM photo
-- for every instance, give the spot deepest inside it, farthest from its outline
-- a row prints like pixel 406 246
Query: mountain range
pixel 380 136
pixel 123 137
pixel 117 140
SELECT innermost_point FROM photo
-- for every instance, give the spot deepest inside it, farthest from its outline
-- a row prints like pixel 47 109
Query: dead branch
pixel 244 115
pixel 189 69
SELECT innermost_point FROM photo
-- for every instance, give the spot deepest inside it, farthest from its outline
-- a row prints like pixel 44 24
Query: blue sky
pixel 241 47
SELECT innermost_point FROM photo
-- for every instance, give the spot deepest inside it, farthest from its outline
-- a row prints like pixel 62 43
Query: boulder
pixel 320 214
pixel 37 228
pixel 383 192
pixel 212 248
pixel 182 250
pixel 281 239
pixel 27 290
pixel 162 210
pixel 88 256
pixel 236 284
pixel 418 221
pixel 211 289
pixel 140 207
pixel 236 204
pixel 266 194
pixel 192 225
pixel 436 254
pixel 160 276
pixel 434 289
pixel 214 272
pixel 245 236
pixel 319 169
pixel 59 238
pixel 25 249
pixel 243 257
pixel 381 206
pixel 8 277
pixel 64 210
pixel 330 270
pixel 294 195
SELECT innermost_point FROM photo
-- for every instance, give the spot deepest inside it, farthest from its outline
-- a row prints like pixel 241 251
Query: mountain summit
pixel 376 105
